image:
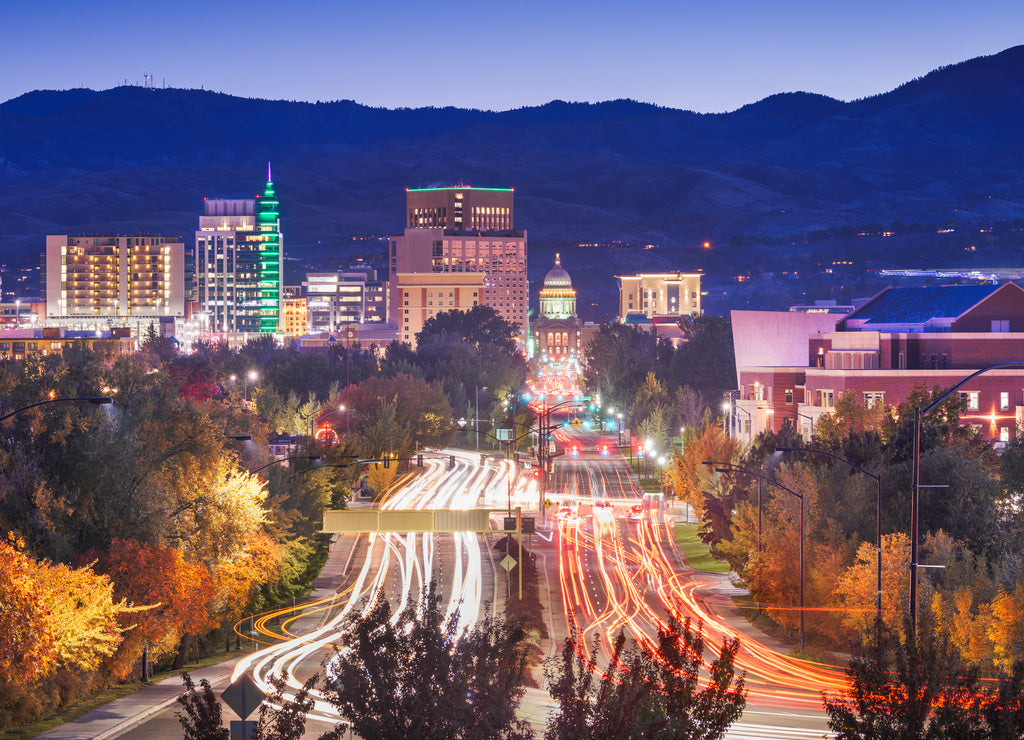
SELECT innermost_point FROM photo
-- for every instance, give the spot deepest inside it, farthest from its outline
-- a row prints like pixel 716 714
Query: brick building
pixel 902 337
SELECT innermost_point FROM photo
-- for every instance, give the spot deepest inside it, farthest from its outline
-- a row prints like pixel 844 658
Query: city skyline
pixel 396 55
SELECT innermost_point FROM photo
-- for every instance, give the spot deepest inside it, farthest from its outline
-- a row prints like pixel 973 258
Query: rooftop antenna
pixel 269 178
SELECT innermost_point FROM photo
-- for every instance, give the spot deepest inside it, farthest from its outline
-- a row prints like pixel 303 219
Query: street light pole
pixel 723 467
pixel 878 516
pixel 915 508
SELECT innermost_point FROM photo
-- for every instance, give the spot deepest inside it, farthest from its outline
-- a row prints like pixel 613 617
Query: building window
pixel 872 398
pixel 1004 400
pixel 826 399
pixel 789 395
pixel 1000 325
pixel 973 399
pixel 1004 434
pixel 903 361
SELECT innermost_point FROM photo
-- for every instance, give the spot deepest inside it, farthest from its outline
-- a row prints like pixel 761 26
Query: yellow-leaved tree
pixel 856 588
pixel 1005 630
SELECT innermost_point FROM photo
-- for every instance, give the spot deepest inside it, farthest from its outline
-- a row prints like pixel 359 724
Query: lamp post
pixel 878 517
pixel 915 509
pixel 476 415
pixel 722 467
pixel 252 375
pixel 96 400
pixel 809 418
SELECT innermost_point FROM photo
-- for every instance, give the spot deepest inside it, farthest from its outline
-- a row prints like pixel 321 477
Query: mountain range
pixel 948 145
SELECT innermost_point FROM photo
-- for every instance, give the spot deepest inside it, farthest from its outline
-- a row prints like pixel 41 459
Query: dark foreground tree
pixel 653 694
pixel 907 688
pixel 420 679
pixel 202 713
pixel 202 716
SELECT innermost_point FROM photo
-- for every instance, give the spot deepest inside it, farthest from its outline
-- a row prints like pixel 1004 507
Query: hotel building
pixel 114 277
pixel 461 230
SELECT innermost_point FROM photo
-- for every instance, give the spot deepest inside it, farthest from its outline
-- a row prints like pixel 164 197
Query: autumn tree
pixel 419 677
pixel 179 593
pixel 53 620
pixel 916 686
pixel 856 588
pixel 397 414
pixel 645 692
pixel 697 484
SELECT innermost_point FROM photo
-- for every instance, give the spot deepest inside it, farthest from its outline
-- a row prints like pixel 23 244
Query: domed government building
pixel 557 332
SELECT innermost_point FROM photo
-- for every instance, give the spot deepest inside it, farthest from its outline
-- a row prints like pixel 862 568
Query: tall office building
pixel 239 263
pixel 114 276
pixel 458 230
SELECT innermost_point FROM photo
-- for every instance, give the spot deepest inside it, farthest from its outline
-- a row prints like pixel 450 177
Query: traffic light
pixel 419 460
pixel 604 450
pixel 451 461
pixel 575 451
pixel 536 472
pixel 387 462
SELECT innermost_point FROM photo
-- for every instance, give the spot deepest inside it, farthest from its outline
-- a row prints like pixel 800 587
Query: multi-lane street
pixel 607 561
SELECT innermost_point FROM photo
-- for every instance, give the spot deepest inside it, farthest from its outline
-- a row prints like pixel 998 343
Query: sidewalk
pixel 121 715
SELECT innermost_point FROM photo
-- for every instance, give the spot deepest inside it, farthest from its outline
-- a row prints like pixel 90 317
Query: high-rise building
pixel 474 237
pixel 239 263
pixel 114 276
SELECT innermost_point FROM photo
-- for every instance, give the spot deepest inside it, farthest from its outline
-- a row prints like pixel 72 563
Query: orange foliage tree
pixel 179 592
pixel 53 616
pixel 27 629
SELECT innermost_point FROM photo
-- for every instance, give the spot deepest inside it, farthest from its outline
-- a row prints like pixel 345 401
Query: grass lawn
pixel 696 552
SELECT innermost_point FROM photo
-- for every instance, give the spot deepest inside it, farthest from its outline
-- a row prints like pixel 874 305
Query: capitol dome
pixel 557 278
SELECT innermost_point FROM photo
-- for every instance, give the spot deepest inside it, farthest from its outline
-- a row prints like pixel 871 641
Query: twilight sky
pixel 708 56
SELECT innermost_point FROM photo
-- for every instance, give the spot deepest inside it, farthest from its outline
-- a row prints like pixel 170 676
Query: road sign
pixel 243 696
pixel 508 562
pixel 576 422
pixel 548 503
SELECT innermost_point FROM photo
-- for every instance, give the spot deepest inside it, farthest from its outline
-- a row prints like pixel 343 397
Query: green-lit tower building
pixel 268 224
pixel 238 263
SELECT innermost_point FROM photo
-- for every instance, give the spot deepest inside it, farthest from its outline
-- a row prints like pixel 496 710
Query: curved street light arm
pixel 286 459
pixel 972 376
pixel 878 518
pixel 829 454
pixel 915 505
pixel 98 400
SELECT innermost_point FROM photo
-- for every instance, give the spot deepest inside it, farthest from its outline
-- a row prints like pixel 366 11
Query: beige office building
pixel 422 295
pixel 114 276
pixel 651 295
